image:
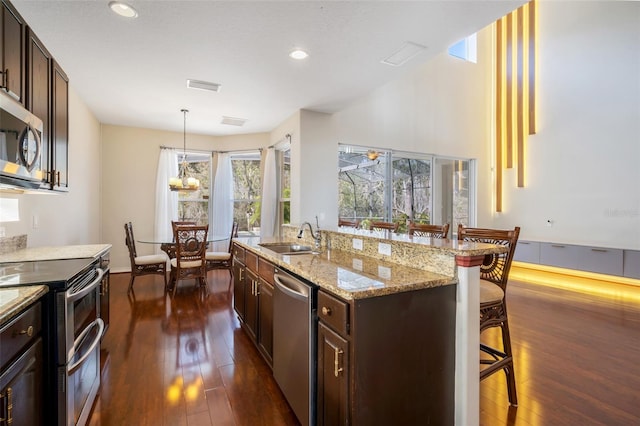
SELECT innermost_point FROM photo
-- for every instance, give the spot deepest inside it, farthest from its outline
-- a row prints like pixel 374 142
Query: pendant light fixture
pixel 183 182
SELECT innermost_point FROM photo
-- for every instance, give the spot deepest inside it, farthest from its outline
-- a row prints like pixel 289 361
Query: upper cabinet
pixel 12 51
pixel 33 77
pixel 60 129
pixel 38 99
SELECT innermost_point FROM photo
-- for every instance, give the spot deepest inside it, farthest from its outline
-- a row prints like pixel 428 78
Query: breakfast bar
pixel 423 295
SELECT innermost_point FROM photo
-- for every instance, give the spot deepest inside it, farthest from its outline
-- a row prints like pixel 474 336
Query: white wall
pixel 583 164
pixel 73 217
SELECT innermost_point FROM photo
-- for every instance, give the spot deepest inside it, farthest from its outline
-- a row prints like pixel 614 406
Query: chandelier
pixel 183 182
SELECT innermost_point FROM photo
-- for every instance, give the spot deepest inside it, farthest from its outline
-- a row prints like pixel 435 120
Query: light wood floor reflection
pixel 184 360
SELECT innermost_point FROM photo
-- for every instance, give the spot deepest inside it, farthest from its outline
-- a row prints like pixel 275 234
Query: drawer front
pixel 19 332
pixel 266 270
pixel 632 264
pixel 560 255
pixel 238 253
pixel 527 251
pixel 601 260
pixel 333 312
pixel 251 261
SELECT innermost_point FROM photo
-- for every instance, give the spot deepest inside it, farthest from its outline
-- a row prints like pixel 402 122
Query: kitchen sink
pixel 288 248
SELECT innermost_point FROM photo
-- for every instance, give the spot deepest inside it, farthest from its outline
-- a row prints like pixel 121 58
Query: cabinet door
pixel 60 129
pixel 21 388
pixel 265 320
pixel 38 95
pixel 12 54
pixel 333 378
pixel 238 288
pixel 251 305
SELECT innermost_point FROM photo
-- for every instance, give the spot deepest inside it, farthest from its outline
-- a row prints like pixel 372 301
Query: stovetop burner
pixel 55 273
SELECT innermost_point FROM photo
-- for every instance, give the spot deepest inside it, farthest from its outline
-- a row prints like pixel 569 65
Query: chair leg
pixel 230 279
pixel 130 289
pixel 508 370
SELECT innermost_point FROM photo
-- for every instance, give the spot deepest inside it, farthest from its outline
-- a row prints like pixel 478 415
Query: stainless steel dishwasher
pixel 294 343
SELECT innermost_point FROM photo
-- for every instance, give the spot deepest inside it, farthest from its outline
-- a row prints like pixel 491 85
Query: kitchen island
pixel 396 343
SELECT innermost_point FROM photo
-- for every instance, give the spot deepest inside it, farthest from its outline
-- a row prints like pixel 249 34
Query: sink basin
pixel 287 248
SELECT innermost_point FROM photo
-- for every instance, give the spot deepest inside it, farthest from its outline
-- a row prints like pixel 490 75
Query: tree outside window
pixel 194 205
pixel 246 191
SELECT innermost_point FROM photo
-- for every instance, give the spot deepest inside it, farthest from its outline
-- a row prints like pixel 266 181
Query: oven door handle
pixel 72 297
pixel 73 367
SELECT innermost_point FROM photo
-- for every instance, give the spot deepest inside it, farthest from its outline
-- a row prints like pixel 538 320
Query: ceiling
pixel 133 72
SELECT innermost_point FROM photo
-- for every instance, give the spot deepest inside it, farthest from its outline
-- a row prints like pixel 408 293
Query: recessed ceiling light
pixel 298 54
pixel 123 9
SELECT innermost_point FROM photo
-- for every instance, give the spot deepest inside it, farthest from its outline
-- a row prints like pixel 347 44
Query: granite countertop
pixel 349 275
pixel 55 253
pixel 15 299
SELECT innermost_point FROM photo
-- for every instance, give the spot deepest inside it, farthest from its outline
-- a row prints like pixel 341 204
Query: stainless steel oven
pixel 79 333
pixel 73 333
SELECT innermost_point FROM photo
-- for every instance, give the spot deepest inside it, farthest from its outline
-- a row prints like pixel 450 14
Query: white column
pixel 467 380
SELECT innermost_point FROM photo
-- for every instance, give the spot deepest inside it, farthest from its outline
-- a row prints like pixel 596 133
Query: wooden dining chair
pixel 351 223
pixel 153 264
pixel 380 225
pixel 191 246
pixel 428 230
pixel 223 259
pixel 494 276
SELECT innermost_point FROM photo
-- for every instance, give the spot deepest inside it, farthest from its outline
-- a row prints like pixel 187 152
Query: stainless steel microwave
pixel 20 146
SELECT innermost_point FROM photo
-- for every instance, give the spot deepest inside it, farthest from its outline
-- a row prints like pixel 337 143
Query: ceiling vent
pixel 406 52
pixel 233 121
pixel 203 85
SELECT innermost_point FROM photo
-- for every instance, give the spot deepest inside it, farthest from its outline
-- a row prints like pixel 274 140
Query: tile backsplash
pixel 11 244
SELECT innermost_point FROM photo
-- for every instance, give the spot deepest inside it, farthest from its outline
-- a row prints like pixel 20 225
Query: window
pixel 284 185
pixel 194 205
pixel 245 168
pixel 400 187
pixel 466 49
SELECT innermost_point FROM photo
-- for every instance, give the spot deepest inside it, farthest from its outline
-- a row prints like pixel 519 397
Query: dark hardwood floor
pixel 184 360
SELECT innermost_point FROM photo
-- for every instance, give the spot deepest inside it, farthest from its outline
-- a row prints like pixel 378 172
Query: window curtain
pixel 221 200
pixel 166 200
pixel 269 202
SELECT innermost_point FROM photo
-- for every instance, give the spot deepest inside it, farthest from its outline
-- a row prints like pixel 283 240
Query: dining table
pixel 169 247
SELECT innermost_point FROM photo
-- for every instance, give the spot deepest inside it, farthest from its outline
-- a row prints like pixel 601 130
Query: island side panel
pixel 403 358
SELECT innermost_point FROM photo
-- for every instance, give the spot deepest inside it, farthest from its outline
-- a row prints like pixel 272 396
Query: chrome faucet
pixel 317 236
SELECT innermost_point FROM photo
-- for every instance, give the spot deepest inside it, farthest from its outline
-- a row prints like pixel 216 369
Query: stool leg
pixel 509 370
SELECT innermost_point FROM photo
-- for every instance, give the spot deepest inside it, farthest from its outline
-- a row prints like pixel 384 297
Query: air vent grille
pixel 203 85
pixel 233 121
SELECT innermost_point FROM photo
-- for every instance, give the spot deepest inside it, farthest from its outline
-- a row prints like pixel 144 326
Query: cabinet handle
pixel 326 311
pixel 58 175
pixel 599 250
pixel 28 332
pixel 257 288
pixel 557 246
pixel 5 79
pixel 336 361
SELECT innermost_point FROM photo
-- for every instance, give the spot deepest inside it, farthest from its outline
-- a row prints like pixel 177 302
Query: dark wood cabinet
pixel 38 99
pixel 389 359
pixel 253 298
pixel 239 273
pixel 21 369
pixel 12 51
pixel 251 305
pixel 59 129
pixel 265 321
pixel 333 377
